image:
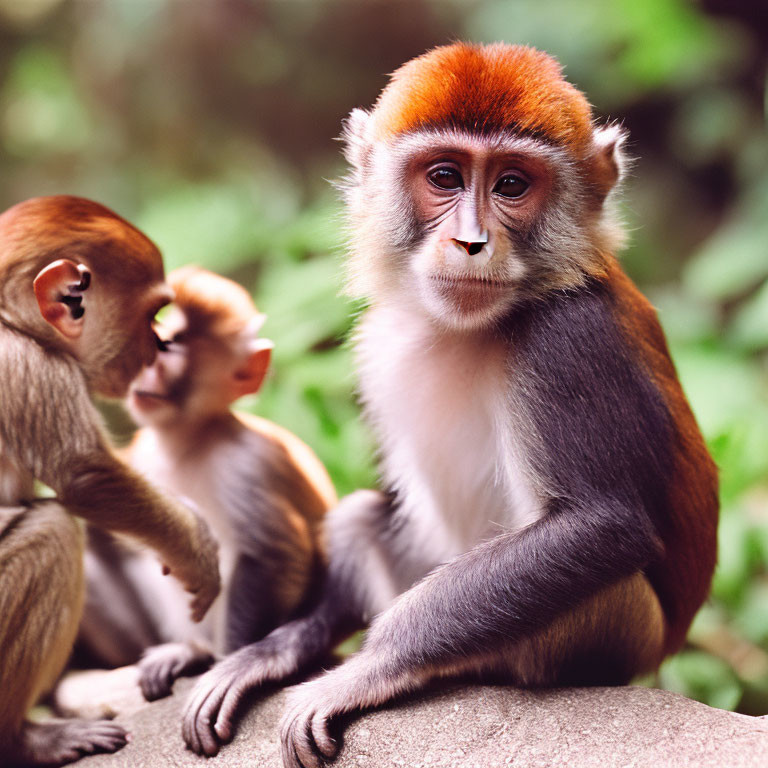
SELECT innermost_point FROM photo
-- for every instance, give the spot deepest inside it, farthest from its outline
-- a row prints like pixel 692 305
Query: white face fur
pixel 463 227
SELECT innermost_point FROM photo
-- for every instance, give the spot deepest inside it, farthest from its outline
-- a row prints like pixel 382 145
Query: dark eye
pixel 511 186
pixel 162 344
pixel 446 178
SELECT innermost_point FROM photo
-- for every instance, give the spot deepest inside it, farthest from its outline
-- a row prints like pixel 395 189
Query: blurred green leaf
pixel 702 677
pixel 41 109
pixel 735 258
pixel 749 328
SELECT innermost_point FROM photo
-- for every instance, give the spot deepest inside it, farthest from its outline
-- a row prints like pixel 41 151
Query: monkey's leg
pixel 355 534
pixel 41 594
pixel 609 638
pixel 606 640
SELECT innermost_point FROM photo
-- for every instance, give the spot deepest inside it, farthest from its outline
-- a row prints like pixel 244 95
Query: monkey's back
pixel 302 457
pixel 682 579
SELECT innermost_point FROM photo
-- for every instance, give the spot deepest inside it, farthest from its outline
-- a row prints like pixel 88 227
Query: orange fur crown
pixel 485 88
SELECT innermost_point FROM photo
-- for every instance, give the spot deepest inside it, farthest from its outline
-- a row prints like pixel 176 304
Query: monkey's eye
pixel 162 345
pixel 511 186
pixel 446 178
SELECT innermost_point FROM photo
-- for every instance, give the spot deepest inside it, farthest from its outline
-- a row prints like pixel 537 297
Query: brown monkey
pixel 260 489
pixel 79 288
pixel 550 509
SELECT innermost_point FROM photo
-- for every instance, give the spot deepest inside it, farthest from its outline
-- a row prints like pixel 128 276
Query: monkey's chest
pixel 439 408
pixel 193 483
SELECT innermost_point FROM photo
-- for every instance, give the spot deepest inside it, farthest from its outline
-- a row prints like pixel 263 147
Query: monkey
pixel 549 508
pixel 79 288
pixel 262 491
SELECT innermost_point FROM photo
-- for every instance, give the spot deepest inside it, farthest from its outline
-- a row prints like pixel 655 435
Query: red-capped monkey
pixel 261 490
pixel 79 288
pixel 550 508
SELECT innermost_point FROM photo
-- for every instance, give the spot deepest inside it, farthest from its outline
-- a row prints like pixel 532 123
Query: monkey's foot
pixel 209 715
pixel 57 742
pixel 305 733
pixel 161 665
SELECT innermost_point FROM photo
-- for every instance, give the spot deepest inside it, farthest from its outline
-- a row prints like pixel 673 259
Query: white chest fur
pixel 437 403
pixel 193 483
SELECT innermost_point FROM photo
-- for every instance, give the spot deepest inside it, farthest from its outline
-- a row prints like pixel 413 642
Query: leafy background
pixel 210 124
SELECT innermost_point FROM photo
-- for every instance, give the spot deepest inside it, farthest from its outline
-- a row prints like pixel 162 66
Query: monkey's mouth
pixel 143 396
pixel 470 294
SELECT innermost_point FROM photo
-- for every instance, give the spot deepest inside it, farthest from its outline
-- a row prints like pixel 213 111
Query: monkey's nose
pixel 471 248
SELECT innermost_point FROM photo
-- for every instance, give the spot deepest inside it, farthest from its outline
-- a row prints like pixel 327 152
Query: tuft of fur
pixel 485 89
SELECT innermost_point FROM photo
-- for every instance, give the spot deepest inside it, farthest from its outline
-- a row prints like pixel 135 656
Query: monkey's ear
pixel 356 144
pixel 608 159
pixel 249 376
pixel 59 290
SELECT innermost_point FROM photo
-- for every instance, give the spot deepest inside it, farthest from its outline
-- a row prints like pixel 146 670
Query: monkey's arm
pixel 57 436
pixel 498 593
pixel 113 497
pixel 276 547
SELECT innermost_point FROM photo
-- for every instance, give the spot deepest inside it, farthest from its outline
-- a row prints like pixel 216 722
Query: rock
pixel 479 727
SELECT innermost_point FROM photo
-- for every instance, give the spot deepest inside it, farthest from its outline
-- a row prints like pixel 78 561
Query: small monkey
pixel 549 509
pixel 260 489
pixel 79 288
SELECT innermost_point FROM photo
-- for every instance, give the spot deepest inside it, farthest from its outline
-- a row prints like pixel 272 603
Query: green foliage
pixel 209 124
pixel 291 259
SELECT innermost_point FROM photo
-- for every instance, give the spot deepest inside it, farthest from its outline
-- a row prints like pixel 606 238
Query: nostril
pixel 471 248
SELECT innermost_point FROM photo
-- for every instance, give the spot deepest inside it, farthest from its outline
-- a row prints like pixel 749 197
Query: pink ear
pixel 608 162
pixel 249 377
pixel 59 289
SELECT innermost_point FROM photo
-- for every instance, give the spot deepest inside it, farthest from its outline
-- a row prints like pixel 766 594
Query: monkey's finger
pixel 197 608
pixel 108 742
pixel 288 744
pixel 109 729
pixel 188 731
pixel 205 719
pixel 196 728
pixel 304 745
pixel 201 602
pixel 325 744
pixel 156 681
pixel 91 736
pixel 69 755
pixel 298 744
pixel 229 705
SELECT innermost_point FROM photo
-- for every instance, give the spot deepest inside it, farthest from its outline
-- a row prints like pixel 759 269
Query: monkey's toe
pixel 325 744
pixel 197 728
pixel 156 682
pixel 306 742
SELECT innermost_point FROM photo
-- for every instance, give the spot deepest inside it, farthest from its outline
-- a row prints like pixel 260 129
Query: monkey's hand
pixel 306 728
pixel 208 719
pixel 161 665
pixel 198 571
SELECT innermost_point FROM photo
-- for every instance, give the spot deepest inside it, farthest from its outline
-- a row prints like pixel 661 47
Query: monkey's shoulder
pixel 299 456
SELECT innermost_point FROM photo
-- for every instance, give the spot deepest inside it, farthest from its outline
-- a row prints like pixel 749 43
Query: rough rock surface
pixel 479 727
